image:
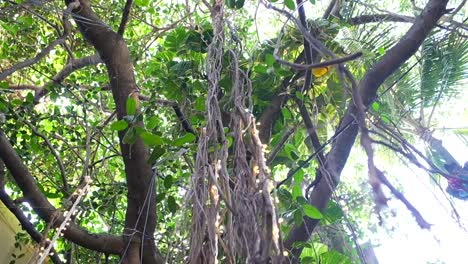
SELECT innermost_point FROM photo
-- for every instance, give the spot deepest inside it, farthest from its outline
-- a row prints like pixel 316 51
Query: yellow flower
pixel 319 72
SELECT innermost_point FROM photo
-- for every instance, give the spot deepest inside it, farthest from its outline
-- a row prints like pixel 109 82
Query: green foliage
pixel 169 46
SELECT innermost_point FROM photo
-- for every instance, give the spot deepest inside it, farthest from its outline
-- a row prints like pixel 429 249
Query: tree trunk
pixel 338 155
pixel 140 218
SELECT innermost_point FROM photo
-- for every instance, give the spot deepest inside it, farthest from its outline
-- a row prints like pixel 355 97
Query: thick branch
pixel 45 210
pixel 125 16
pixel 338 155
pixel 66 71
pixel 140 197
pixel 32 61
pixel 25 223
pixel 45 51
pixel 364 19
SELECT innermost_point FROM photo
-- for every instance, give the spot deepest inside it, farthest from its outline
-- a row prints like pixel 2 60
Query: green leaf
pixel 381 50
pixel 231 3
pixel 4 85
pixel 168 181
pixel 290 4
pixel 312 2
pixel 30 98
pixel 301 200
pixel 3 107
pixel 119 125
pixel 172 204
pixel 142 2
pixel 308 260
pixel 240 4
pixel 334 256
pixel 284 195
pixel 131 106
pixel 375 106
pixel 158 151
pixel 230 140
pixel 296 191
pixel 290 150
pixel 333 213
pixel 269 59
pixel 130 136
pixel 151 139
pixel 187 138
pixel 160 197
pixel 298 217
pixel 312 211
pixel 152 122
pixel 299 176
pixel 286 113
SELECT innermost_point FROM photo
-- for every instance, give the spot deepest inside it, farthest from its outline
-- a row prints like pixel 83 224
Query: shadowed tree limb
pixel 73 65
pixel 125 17
pixel 45 51
pixel 364 19
pixel 45 210
pixel 34 60
pixel 338 155
pixel 140 218
pixel 417 215
pixel 18 213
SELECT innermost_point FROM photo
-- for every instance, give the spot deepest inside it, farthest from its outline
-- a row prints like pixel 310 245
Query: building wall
pixel 9 227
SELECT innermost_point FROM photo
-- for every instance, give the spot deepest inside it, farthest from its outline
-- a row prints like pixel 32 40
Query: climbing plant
pixel 203 136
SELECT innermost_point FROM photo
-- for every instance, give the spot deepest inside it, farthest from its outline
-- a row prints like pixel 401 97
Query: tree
pixel 188 86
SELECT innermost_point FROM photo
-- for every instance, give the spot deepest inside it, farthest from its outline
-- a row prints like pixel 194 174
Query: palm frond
pixel 443 67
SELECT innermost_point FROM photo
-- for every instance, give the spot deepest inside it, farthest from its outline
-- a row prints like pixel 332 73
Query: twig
pixel 53 150
pixel 379 18
pixel 45 51
pixel 80 192
pixel 125 16
pixel 311 157
pixel 297 66
pixel 281 143
pixel 419 219
pixel 315 142
pixel 25 223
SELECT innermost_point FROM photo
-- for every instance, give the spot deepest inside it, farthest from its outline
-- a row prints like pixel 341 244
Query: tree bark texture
pixel 338 155
pixel 140 219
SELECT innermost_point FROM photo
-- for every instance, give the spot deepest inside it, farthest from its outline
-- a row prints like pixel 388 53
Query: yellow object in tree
pixel 319 72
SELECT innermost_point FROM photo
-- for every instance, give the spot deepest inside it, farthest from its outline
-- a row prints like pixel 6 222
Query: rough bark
pixel 140 219
pixel 45 210
pixel 338 155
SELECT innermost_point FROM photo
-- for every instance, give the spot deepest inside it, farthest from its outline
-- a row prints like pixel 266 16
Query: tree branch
pixel 54 153
pixel 99 242
pixel 364 19
pixel 338 155
pixel 32 61
pixel 297 66
pixel 419 219
pixel 140 197
pixel 25 223
pixel 66 71
pixel 125 16
pixel 45 51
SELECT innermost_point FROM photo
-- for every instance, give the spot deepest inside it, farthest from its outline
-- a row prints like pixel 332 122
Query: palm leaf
pixel 443 67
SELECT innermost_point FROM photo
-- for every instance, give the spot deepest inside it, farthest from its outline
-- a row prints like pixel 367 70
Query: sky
pixel 446 241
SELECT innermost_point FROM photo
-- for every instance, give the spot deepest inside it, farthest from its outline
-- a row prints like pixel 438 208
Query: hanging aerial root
pixel 233 216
